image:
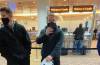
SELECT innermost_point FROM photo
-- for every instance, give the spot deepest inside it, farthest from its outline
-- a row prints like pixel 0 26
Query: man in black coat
pixel 15 44
pixel 52 41
pixel 78 37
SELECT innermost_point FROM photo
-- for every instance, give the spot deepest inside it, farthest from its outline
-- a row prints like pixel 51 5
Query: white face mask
pixel 44 62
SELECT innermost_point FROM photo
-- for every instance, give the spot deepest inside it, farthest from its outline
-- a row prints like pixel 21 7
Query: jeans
pixel 78 44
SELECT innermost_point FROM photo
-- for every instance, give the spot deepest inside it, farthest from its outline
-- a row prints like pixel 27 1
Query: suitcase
pixel 64 51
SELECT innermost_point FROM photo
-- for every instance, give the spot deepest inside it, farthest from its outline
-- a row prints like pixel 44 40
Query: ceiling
pixel 30 6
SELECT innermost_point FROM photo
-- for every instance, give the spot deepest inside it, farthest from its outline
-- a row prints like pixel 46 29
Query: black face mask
pixel 5 21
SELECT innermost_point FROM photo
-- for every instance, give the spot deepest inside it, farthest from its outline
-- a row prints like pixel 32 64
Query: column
pixel 43 6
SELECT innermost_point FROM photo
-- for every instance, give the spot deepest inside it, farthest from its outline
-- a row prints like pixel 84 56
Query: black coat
pixel 98 44
pixel 51 44
pixel 79 34
pixel 14 43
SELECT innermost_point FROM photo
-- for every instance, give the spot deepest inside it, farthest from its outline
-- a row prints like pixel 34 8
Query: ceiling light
pixel 64 0
pixel 33 2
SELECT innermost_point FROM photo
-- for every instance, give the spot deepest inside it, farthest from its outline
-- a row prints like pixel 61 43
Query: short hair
pixel 52 25
pixel 6 9
pixel 80 25
pixel 51 14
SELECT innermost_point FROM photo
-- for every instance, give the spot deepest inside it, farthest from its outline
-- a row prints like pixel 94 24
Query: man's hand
pixel 49 58
pixel 49 31
pixel 33 42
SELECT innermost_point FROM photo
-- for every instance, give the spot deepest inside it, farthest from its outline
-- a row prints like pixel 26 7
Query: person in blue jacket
pixel 98 44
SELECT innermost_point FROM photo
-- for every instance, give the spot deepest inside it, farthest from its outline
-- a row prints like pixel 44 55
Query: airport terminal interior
pixel 32 14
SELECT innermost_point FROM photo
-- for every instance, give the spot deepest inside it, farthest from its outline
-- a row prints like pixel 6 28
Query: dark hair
pixel 80 25
pixel 52 25
pixel 6 9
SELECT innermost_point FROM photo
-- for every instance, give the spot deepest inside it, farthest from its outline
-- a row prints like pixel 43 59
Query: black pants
pixel 25 61
pixel 56 60
pixel 12 61
pixel 15 61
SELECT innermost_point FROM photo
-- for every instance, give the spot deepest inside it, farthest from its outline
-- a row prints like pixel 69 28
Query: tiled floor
pixel 91 58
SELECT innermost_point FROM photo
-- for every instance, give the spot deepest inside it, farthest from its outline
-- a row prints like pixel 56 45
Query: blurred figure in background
pixel 50 18
pixel 78 39
pixel 95 34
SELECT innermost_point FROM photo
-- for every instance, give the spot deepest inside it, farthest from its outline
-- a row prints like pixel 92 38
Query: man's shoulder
pixel 19 26
pixel 43 30
pixel 60 32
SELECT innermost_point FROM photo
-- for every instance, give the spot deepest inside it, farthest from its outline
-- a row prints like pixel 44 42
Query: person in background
pixel 15 44
pixel 50 18
pixel 52 43
pixel 98 43
pixel 95 33
pixel 78 37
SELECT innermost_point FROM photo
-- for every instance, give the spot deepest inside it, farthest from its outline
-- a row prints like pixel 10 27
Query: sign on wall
pixel 59 9
pixel 83 8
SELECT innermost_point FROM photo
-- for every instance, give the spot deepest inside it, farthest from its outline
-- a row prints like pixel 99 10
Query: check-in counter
pixel 87 39
pixel 69 40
